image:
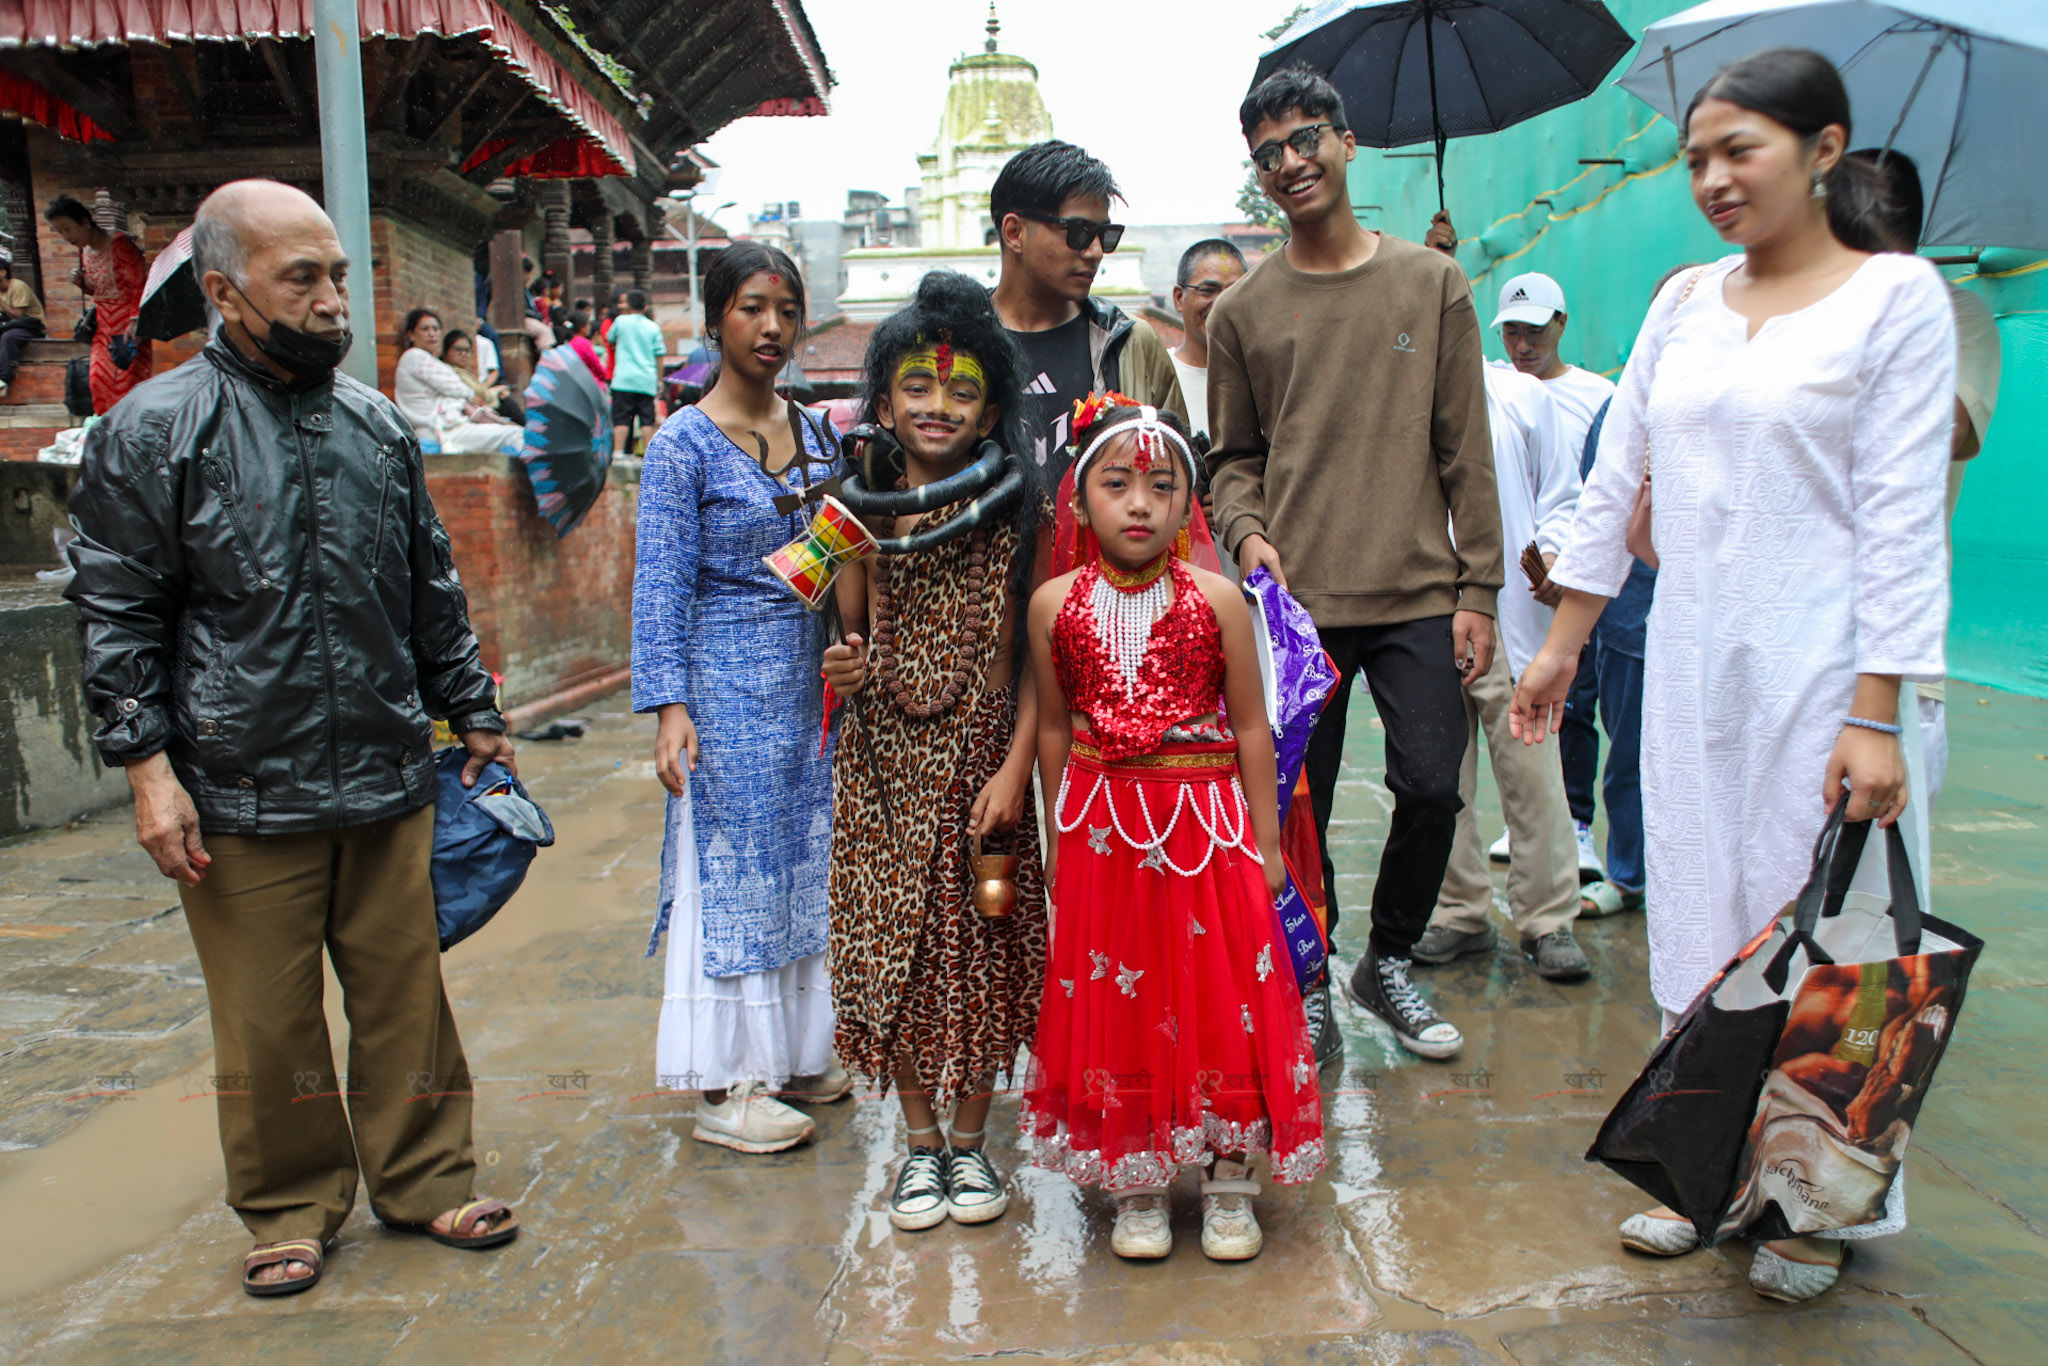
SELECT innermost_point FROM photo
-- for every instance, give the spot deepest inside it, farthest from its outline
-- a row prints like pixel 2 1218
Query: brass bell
pixel 995 882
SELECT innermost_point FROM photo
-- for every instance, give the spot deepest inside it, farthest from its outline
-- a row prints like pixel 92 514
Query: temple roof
pixel 993 99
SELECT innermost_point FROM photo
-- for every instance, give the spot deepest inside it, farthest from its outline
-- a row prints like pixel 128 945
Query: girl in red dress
pixel 1171 1030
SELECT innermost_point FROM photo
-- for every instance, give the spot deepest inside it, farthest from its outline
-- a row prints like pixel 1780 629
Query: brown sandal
pixel 304 1250
pixel 473 1216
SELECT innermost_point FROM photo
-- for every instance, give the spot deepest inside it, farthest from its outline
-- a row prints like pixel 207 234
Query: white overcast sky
pixel 1149 86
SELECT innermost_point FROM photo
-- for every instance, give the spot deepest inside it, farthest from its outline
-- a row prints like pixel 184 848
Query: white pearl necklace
pixel 1123 621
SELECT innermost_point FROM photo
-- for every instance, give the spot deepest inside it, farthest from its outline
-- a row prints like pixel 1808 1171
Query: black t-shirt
pixel 1056 361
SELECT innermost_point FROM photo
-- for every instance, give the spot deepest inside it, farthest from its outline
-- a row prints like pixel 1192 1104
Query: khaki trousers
pixel 1543 878
pixel 267 908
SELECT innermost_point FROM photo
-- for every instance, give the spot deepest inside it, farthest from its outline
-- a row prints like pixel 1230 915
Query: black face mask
pixel 306 354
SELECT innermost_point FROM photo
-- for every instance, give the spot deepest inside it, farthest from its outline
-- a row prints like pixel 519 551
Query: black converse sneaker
pixel 920 1198
pixel 1381 986
pixel 1324 1036
pixel 974 1192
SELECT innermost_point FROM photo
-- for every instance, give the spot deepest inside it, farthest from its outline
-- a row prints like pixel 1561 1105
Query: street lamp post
pixel 696 299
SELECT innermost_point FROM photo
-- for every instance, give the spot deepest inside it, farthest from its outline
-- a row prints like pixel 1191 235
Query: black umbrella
pixel 568 437
pixel 172 302
pixel 1426 70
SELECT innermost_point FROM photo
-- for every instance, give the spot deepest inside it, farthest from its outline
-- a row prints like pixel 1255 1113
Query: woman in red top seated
pixel 1171 1031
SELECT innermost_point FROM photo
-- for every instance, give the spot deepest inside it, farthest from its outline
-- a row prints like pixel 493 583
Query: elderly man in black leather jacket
pixel 270 618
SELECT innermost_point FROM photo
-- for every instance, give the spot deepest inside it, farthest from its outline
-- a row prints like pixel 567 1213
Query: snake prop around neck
pixel 990 486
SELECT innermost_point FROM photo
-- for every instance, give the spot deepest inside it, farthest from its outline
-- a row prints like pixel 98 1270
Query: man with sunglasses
pixel 1347 403
pixel 1050 205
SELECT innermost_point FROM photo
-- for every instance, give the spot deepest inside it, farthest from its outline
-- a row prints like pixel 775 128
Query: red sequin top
pixel 1181 674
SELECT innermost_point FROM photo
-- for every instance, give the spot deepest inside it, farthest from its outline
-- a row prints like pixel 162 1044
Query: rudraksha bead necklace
pixel 966 639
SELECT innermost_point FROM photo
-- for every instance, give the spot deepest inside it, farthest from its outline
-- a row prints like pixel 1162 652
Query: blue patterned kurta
pixel 715 630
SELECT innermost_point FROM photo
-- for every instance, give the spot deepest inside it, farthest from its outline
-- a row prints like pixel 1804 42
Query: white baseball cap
pixel 1533 298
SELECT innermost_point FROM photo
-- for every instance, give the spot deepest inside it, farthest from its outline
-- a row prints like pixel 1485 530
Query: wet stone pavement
pixel 1457 1222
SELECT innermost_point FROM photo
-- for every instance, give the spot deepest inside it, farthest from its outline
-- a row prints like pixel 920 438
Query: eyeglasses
pixel 1208 290
pixel 1267 156
pixel 1080 231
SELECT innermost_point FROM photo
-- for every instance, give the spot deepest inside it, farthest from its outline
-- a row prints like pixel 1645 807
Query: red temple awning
pixel 99 23
pixel 20 95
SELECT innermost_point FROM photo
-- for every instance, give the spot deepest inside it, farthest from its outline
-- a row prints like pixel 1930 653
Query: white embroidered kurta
pixel 1799 480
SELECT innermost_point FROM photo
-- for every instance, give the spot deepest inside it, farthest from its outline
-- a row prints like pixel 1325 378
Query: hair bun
pixel 950 296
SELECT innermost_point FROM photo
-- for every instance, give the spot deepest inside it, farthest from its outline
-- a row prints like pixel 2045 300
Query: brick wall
pixel 416 267
pixel 549 613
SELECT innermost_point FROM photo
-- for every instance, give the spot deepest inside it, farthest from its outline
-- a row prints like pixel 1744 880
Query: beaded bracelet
pixel 1887 727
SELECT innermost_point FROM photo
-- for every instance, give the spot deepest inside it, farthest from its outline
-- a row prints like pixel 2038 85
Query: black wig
pixel 954 309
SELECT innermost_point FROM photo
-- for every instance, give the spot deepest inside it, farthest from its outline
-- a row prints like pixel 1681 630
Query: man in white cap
pixel 1532 320
pixel 21 319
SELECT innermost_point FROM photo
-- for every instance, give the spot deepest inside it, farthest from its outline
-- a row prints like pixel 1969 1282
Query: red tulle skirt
pixel 1171 1027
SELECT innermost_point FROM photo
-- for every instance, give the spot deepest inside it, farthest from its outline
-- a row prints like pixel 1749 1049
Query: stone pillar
pixel 554 247
pixel 603 237
pixel 643 265
pixel 508 310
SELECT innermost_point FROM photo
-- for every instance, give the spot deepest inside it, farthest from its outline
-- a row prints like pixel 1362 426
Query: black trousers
pixel 16 333
pixel 1421 704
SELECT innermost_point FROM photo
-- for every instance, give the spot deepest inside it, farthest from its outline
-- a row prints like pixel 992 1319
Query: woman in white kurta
pixel 1794 405
pixel 1797 521
pixel 440 405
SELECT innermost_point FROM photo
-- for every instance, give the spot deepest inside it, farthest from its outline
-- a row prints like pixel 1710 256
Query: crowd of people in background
pixel 1732 561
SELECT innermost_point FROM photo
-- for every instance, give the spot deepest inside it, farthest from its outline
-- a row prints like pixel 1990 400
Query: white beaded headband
pixel 1150 431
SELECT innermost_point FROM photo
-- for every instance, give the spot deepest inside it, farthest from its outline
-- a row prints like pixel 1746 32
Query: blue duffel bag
pixel 484 838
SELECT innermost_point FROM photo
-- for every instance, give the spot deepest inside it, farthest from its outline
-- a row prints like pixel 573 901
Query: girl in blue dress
pixel 729 659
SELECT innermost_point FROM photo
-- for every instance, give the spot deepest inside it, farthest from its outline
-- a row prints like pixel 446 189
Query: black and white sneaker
pixel 1324 1036
pixel 920 1198
pixel 1381 986
pixel 974 1192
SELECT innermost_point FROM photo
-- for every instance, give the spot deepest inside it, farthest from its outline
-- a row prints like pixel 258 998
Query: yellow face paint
pixel 945 363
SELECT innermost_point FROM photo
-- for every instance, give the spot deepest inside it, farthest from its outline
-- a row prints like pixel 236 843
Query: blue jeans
pixel 1621 712
pixel 1578 739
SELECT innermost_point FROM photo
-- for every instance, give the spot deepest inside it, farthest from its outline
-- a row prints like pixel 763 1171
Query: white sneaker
pixel 834 1083
pixel 1591 869
pixel 1143 1232
pixel 1230 1231
pixel 752 1121
pixel 1499 851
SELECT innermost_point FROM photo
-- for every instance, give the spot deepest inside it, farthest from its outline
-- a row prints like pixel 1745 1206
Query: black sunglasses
pixel 1080 231
pixel 1267 156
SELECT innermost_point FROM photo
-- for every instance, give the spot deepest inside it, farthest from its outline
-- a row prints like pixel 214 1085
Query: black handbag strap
pixel 1837 854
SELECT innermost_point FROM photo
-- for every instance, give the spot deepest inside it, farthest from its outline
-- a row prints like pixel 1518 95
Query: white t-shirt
pixel 1580 394
pixel 1194 387
pixel 1536 470
pixel 486 355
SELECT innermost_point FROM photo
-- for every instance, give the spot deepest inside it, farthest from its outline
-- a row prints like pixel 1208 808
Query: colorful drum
pixel 807 564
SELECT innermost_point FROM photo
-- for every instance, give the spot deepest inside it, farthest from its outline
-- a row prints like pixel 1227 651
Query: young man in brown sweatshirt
pixel 1347 405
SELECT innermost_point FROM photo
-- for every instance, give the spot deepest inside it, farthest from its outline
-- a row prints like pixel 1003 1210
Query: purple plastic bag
pixel 1298 680
pixel 1301 679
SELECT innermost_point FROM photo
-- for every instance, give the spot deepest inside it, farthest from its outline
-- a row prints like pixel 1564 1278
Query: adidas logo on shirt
pixel 1042 385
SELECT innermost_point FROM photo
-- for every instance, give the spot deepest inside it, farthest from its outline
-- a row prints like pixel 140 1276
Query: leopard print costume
pixel 916 972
